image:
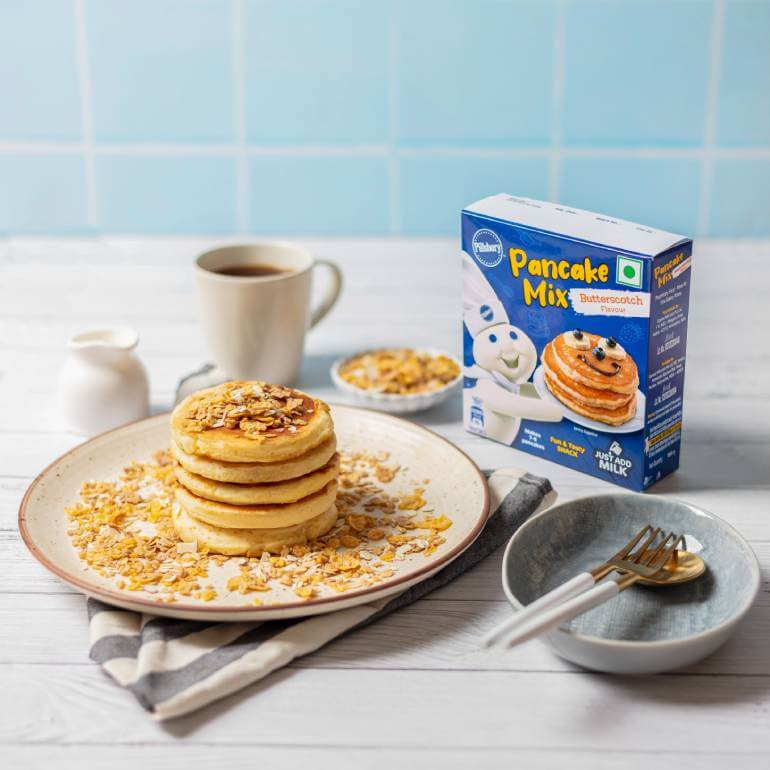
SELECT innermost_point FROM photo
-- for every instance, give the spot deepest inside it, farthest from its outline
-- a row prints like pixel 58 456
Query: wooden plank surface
pixel 413 689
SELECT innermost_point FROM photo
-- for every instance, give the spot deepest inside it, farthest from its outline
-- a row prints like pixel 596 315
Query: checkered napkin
pixel 174 667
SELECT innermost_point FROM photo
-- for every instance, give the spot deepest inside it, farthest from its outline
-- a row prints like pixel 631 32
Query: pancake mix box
pixel 574 336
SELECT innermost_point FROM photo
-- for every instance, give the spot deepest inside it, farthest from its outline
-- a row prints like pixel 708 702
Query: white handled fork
pixel 581 593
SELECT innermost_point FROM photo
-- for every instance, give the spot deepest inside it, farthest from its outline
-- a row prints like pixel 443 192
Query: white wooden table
pixel 413 689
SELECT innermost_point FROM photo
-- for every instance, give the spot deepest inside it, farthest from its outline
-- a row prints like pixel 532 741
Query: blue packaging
pixel 574 337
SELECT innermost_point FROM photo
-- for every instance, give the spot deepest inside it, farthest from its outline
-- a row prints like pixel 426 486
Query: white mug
pixel 255 325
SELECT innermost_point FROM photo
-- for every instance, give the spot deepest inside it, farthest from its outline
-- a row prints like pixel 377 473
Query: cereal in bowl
pixel 399 371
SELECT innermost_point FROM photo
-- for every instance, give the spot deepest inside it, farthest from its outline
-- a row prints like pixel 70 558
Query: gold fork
pixel 650 558
pixel 646 561
pixel 576 585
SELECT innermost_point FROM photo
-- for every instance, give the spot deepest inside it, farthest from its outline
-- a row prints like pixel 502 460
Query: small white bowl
pixel 392 402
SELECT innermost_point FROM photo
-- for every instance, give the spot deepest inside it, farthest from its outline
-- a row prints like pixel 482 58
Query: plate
pixel 457 489
pixel 643 630
pixel 633 425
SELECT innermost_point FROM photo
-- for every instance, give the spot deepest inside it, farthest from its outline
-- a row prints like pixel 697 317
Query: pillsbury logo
pixel 486 312
pixel 487 248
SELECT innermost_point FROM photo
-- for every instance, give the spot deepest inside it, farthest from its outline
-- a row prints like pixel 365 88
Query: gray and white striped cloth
pixel 174 667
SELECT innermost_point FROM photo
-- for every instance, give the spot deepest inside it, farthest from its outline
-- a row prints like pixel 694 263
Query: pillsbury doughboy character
pixel 504 359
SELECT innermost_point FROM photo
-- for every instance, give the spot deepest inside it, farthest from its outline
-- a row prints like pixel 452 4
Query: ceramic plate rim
pixel 538 380
pixel 360 596
pixel 632 643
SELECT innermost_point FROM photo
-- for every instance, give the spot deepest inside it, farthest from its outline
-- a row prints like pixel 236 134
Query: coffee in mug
pixel 255 307
pixel 251 270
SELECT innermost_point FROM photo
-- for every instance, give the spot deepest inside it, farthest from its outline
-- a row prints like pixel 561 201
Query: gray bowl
pixel 645 629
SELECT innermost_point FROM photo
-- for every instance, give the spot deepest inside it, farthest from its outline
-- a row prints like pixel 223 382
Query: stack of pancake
pixel 592 375
pixel 257 468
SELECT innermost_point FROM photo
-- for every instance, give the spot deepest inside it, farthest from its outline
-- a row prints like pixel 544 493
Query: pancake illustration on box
pixel 592 375
pixel 505 359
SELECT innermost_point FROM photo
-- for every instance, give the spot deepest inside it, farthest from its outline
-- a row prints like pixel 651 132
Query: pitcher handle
pixel 332 293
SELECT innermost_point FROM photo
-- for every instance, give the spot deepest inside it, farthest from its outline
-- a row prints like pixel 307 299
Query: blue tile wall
pixel 38 71
pixel 166 194
pixel 373 117
pixel 474 73
pixel 636 72
pixel 732 211
pixel 316 73
pixel 435 187
pixel 161 71
pixel 663 191
pixel 744 87
pixel 322 194
pixel 43 194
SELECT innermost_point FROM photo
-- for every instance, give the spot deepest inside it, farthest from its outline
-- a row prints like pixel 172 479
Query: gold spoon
pixel 681 567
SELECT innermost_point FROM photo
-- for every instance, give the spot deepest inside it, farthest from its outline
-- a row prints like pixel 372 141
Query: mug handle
pixel 332 293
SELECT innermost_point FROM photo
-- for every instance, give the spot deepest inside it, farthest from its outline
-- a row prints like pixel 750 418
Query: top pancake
pixel 584 367
pixel 250 422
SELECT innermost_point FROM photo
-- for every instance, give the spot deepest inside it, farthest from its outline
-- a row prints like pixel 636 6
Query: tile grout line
pixel 239 118
pixel 383 150
pixel 394 180
pixel 557 102
pixel 86 111
pixel 186 148
pixel 709 130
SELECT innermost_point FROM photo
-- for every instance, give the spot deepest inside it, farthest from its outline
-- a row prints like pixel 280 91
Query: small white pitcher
pixel 102 383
